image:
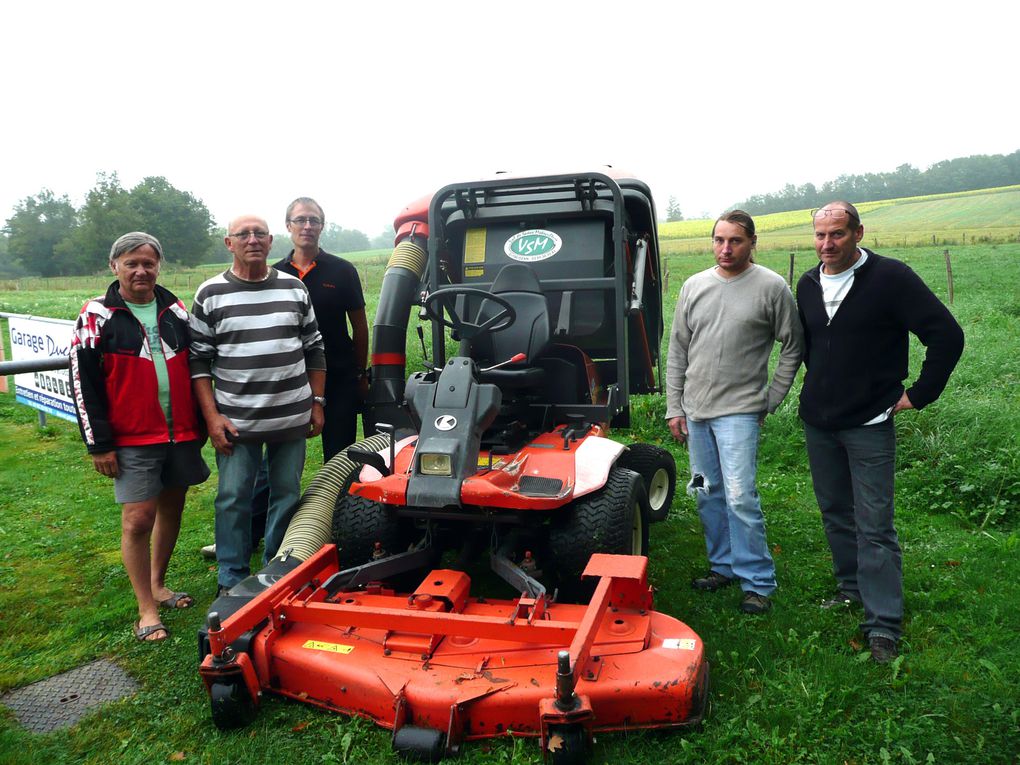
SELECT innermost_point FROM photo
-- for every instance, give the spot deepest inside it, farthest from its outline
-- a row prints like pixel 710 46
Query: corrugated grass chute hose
pixel 311 526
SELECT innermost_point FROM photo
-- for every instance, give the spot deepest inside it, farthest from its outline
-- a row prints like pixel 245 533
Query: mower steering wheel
pixel 443 301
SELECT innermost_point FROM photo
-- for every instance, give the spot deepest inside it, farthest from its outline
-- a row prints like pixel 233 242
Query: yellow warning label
pixel 316 645
pixel 474 246
pixel 474 271
pixel 679 644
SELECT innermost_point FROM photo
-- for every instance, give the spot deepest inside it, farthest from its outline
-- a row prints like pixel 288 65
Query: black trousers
pixel 343 404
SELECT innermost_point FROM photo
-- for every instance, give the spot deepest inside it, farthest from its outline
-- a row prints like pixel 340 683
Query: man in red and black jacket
pixel 138 418
pixel 112 374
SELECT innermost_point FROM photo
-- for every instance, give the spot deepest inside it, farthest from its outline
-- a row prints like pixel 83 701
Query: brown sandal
pixel 142 633
pixel 174 601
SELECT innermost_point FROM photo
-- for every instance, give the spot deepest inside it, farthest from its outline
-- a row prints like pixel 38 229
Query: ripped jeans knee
pixel 698 485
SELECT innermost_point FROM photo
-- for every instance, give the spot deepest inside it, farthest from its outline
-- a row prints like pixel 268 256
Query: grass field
pixel 984 216
pixel 794 686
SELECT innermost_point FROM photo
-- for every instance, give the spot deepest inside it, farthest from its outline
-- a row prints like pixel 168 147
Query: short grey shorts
pixel 146 470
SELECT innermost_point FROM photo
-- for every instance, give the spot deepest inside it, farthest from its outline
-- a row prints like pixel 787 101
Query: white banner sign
pixel 37 339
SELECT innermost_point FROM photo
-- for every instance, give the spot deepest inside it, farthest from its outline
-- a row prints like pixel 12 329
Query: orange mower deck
pixel 439 667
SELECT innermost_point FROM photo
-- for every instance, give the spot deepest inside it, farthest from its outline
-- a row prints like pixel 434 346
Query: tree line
pixel 48 236
pixel 981 171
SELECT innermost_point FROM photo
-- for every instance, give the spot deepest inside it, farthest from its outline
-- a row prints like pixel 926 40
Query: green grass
pixel 982 216
pixel 794 686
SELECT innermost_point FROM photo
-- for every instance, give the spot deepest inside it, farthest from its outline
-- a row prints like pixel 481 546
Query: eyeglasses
pixel 244 236
pixel 836 213
pixel 301 221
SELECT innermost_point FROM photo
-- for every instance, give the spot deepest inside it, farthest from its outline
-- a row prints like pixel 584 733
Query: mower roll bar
pixel 638 293
pixel 584 189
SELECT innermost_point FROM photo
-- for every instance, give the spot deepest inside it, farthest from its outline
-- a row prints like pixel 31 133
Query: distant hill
pixel 981 171
pixel 984 215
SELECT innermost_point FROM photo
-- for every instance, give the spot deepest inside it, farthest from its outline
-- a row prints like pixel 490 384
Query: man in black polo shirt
pixel 335 288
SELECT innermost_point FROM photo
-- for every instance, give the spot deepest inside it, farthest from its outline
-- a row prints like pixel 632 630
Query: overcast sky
pixel 367 106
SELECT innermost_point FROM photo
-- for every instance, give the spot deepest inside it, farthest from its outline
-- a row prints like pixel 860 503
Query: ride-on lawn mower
pixel 550 289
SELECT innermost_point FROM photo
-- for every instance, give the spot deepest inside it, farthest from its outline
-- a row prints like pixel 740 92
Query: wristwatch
pixel 320 400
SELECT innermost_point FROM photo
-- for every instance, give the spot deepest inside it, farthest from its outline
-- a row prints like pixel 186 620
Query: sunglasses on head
pixel 836 213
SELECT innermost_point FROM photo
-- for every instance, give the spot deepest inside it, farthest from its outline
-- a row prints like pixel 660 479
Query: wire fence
pixel 802 239
pixel 181 281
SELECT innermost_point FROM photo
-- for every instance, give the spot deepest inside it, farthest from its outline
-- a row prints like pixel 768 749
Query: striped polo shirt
pixel 256 340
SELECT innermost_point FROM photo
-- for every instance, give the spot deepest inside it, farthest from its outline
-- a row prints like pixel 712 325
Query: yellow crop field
pixel 930 219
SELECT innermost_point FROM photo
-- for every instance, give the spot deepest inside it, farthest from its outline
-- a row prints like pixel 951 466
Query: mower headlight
pixel 435 464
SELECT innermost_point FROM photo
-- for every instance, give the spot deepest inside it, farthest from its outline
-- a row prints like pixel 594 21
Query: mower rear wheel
pixel 657 468
pixel 359 523
pixel 610 520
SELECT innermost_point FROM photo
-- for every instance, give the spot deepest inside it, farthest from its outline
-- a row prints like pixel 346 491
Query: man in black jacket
pixel 858 310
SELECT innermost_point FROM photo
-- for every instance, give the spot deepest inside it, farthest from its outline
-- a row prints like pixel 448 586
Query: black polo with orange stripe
pixel 335 289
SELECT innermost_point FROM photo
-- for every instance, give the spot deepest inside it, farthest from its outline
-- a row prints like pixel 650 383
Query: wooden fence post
pixel 789 273
pixel 949 275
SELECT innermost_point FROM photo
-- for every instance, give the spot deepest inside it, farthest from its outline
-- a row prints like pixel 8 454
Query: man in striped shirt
pixel 258 370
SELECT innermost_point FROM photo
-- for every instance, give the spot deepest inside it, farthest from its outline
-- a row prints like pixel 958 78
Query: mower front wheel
pixel 359 523
pixel 413 742
pixel 657 469
pixel 610 520
pixel 567 745
pixel 230 704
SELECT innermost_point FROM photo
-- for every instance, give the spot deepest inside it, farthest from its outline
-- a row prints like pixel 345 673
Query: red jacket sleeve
pixel 88 387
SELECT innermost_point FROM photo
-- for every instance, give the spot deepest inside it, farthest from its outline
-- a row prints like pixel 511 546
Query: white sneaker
pixel 209 552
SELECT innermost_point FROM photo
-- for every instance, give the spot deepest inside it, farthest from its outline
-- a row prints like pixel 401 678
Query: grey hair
pixel 132 241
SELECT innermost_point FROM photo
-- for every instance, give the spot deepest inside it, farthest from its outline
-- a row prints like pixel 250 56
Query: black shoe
pixel 753 603
pixel 839 599
pixel 883 649
pixel 222 590
pixel 712 581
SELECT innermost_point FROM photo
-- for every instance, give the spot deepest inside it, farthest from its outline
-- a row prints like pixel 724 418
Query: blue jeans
pixel 853 471
pixel 286 461
pixel 724 461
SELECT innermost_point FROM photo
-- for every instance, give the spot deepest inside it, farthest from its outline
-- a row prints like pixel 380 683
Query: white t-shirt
pixel 836 286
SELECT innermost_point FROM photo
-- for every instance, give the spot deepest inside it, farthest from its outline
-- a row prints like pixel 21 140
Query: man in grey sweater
pixel 727 321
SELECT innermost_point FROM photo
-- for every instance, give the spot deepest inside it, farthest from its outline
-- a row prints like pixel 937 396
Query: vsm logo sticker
pixel 533 245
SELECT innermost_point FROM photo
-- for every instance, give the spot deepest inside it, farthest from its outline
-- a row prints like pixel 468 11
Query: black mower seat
pixel 529 334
